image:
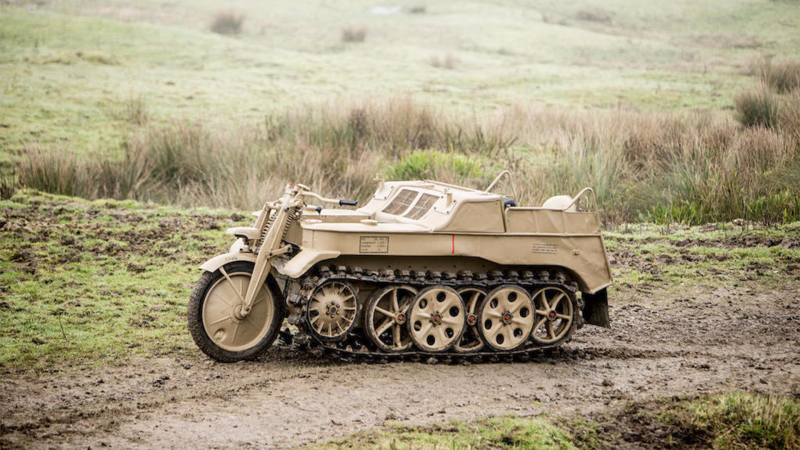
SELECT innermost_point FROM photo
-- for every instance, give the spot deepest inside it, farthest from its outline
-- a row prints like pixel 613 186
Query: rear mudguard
pixel 595 308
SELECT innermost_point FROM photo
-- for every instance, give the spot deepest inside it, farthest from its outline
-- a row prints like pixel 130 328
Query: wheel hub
pixel 400 319
pixel 472 319
pixel 507 317
pixel 332 309
pixel 239 312
pixel 436 319
pixel 551 315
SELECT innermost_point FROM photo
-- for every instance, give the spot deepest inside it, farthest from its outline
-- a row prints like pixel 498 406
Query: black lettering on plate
pixel 374 244
pixel 547 249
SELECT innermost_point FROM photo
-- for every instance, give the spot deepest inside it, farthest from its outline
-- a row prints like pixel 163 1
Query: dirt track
pixel 706 341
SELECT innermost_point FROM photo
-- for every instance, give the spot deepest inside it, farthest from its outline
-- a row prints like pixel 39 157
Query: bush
pixel 782 77
pixel 133 110
pixel 353 34
pixel 8 186
pixel 448 167
pixel 758 108
pixel 790 116
pixel 594 15
pixel 227 22
pixel 692 169
pixel 743 420
pixel 419 9
pixel 446 62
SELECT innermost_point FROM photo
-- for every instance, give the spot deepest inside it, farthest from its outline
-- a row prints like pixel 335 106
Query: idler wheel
pixel 506 318
pixel 555 316
pixel 436 319
pixel 332 310
pixel 471 340
pixel 386 316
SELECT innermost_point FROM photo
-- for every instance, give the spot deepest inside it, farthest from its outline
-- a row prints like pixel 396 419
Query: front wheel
pixel 215 316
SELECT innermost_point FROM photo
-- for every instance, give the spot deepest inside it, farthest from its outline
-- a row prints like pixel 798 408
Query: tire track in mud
pixel 331 403
pixel 282 401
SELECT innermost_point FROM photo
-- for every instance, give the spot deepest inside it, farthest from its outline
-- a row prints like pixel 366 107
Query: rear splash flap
pixel 595 309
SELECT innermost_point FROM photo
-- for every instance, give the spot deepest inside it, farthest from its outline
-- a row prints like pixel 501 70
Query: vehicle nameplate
pixel 374 244
pixel 547 249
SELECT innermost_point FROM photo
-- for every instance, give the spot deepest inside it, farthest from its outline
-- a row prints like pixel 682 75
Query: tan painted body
pixel 413 246
pixel 460 223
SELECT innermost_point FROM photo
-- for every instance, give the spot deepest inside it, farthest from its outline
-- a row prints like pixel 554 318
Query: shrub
pixel 758 108
pixel 133 110
pixel 8 186
pixel 227 22
pixel 353 34
pixel 446 62
pixel 594 15
pixel 447 167
pixel 782 77
pixel 691 168
pixel 743 420
pixel 419 9
pixel 790 116
pixel 553 19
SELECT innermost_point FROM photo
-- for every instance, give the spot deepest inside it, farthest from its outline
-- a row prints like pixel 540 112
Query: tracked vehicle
pixel 423 268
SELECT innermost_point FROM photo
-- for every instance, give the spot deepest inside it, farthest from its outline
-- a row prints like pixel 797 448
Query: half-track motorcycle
pixel 423 268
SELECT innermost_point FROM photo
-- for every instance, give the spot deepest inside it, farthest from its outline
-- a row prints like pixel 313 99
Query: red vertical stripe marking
pixel 454 244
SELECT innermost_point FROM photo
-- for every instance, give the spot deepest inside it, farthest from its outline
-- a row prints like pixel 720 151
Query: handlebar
pixel 339 201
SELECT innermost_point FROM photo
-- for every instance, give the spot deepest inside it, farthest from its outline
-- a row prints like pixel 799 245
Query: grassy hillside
pixel 71 68
pixel 142 100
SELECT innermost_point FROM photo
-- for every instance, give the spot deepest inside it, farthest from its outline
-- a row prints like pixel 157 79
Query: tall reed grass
pixel 691 168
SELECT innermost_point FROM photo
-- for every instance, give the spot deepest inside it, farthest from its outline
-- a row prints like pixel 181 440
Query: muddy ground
pixel 709 340
pixel 734 325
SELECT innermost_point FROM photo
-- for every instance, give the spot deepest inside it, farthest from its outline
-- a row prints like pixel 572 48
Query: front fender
pixel 218 261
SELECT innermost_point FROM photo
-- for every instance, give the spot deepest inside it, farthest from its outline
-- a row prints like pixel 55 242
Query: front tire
pixel 215 319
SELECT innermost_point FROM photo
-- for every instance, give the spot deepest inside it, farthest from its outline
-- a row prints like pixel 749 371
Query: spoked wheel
pixel 506 318
pixel 332 310
pixel 216 320
pixel 386 316
pixel 555 316
pixel 436 319
pixel 471 339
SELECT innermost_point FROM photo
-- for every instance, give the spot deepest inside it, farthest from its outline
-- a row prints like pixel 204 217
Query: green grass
pixel 96 282
pixel 676 258
pixel 66 66
pixel 506 432
pixel 742 420
pixel 724 421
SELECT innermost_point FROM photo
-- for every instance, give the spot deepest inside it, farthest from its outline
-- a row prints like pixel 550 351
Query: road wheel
pixel 215 316
pixel 555 316
pixel 386 316
pixel 471 340
pixel 436 319
pixel 506 318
